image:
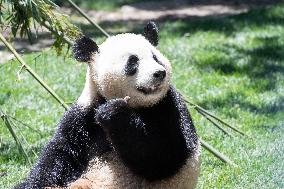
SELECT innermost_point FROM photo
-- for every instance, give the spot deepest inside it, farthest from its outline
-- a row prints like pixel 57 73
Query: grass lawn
pixel 233 66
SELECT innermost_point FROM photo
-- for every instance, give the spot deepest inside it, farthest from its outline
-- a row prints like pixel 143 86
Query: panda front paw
pixel 110 109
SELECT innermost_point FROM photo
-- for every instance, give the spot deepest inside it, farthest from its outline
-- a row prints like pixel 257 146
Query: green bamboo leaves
pixel 24 17
pixel 8 124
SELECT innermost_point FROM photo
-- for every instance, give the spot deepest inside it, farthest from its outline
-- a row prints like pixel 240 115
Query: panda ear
pixel 84 48
pixel 151 33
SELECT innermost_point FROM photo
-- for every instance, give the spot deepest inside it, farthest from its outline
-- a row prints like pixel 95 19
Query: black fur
pixel 153 142
pixel 158 61
pixel 131 65
pixel 77 140
pixel 151 33
pixel 83 49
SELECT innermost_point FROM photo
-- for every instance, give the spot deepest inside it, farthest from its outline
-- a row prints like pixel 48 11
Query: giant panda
pixel 129 128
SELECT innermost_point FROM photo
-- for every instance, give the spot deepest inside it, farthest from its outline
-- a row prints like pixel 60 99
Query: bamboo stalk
pixel 24 124
pixel 216 153
pixel 214 123
pixel 215 117
pixel 33 74
pixel 88 18
pixel 24 139
pixel 14 135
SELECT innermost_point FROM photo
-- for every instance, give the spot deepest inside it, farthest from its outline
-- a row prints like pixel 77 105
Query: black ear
pixel 83 49
pixel 151 33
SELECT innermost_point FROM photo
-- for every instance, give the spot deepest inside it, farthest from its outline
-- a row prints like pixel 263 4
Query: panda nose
pixel 160 75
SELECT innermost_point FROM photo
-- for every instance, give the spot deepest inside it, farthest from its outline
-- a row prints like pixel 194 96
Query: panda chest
pixel 108 171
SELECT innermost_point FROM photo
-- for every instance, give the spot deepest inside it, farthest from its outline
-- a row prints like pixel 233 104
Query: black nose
pixel 160 75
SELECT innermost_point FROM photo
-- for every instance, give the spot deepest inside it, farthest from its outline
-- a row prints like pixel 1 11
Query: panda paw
pixel 111 108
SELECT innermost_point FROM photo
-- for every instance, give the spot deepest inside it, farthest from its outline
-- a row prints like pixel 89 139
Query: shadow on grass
pixel 264 60
pixel 263 68
pixel 265 64
pixel 256 17
pixel 236 98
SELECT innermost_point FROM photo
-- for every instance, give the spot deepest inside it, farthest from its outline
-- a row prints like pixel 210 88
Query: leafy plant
pixel 24 17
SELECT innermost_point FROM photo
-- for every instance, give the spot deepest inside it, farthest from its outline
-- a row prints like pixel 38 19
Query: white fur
pixel 109 79
pixel 89 92
pixel 111 173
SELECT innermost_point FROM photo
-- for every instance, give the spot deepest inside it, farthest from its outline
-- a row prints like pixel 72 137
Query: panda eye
pixel 156 59
pixel 132 65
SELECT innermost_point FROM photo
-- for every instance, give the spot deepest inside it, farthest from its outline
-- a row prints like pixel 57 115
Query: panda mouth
pixel 148 90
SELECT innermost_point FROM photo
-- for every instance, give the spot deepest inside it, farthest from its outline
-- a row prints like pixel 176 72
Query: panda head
pixel 127 65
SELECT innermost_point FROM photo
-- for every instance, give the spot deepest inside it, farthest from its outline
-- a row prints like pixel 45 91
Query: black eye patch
pixel 131 65
pixel 156 59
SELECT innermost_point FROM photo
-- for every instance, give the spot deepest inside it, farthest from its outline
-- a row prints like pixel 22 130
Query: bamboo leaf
pixel 26 16
pixel 8 124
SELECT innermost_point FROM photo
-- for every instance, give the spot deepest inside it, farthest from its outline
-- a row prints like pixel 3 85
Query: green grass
pixel 233 66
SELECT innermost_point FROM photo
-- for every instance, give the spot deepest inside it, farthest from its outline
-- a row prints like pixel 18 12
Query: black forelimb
pixel 67 155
